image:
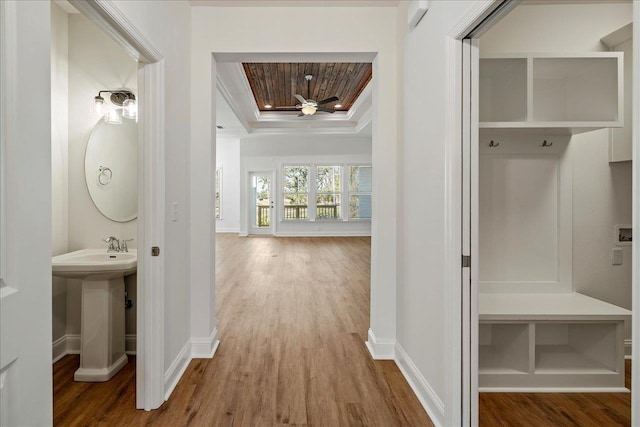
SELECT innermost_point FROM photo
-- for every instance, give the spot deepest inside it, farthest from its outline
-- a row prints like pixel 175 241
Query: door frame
pixel 150 387
pixel 463 394
pixel 251 229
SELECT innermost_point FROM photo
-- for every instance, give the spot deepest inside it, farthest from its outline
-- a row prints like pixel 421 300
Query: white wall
pixel 167 24
pixel 59 159
pixel 228 158
pixel 95 63
pixel 602 191
pixel 422 303
pixel 241 30
pixel 270 153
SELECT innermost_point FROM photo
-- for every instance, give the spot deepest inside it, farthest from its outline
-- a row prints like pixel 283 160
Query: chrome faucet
pixel 124 247
pixel 114 244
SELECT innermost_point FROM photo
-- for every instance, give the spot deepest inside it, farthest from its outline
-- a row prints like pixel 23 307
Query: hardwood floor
pixel 293 314
pixel 557 409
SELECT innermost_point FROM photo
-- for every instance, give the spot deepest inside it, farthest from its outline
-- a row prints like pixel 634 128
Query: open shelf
pixel 504 348
pixel 547 342
pixel 575 89
pixel 548 91
pixel 503 90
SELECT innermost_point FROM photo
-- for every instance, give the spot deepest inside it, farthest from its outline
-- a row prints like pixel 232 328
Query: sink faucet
pixel 123 247
pixel 114 244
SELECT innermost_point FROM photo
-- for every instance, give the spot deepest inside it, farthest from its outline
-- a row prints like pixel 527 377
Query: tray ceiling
pixel 275 83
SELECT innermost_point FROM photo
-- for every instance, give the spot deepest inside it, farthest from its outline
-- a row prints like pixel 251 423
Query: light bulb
pixel 308 110
pixel 130 109
pixel 98 105
pixel 113 117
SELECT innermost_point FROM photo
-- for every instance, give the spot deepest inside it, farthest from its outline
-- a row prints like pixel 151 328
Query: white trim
pixel 381 349
pixel 106 16
pixel 288 3
pixel 324 233
pixel 176 370
pixel 205 348
pixel 627 349
pixel 59 349
pixel 70 344
pixel 554 390
pixel 227 230
pixel 635 281
pixel 420 386
pixel 151 208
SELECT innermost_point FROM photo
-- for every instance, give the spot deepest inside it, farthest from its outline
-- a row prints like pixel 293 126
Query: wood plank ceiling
pixel 275 83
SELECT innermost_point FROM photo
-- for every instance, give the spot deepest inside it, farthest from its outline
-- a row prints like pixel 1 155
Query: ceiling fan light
pixel 309 110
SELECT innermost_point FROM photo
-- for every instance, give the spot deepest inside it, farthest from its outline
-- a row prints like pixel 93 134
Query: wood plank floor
pixel 557 409
pixel 293 314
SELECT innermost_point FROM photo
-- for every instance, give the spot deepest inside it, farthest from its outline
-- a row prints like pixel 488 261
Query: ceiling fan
pixel 308 107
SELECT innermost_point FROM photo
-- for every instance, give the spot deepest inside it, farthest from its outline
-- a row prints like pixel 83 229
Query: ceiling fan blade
pixel 326 110
pixel 328 100
pixel 287 107
pixel 300 98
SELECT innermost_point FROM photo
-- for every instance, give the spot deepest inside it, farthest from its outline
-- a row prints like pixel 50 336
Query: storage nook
pixel 536 333
pixel 575 92
pixel 550 342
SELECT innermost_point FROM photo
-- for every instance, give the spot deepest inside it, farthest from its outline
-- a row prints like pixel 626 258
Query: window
pixel 360 192
pixel 328 192
pixel 219 193
pixel 296 192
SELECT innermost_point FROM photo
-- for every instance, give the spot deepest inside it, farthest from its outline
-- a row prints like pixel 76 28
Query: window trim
pixel 282 193
pixel 357 193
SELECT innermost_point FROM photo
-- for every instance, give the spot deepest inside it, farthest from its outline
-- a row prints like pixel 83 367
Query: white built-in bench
pixel 553 342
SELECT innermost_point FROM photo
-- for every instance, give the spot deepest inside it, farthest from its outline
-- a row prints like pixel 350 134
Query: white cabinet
pixel 620 144
pixel 550 342
pixel 572 93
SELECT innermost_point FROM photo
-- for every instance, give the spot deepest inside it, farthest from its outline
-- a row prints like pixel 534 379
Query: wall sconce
pixel 124 99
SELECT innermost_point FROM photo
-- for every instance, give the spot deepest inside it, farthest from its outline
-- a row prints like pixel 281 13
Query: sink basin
pixel 95 264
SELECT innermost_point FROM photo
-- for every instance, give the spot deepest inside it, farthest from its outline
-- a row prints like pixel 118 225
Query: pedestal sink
pixel 102 336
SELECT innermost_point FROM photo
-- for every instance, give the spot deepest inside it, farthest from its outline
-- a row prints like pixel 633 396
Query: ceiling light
pixel 338 106
pixel 268 106
pixel 309 110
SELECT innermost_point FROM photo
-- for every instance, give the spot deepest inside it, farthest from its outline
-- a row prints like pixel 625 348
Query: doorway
pixel 523 138
pixel 262 202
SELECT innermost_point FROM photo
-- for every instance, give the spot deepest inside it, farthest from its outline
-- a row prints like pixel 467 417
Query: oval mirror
pixel 111 169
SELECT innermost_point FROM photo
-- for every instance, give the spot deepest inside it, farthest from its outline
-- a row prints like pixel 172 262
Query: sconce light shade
pixel 308 110
pixel 130 109
pixel 113 117
pixel 98 106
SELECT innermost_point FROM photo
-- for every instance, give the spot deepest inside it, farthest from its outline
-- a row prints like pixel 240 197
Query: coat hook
pixel 546 144
pixel 493 144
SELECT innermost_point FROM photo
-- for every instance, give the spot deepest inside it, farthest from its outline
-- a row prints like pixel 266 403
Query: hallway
pixel 293 315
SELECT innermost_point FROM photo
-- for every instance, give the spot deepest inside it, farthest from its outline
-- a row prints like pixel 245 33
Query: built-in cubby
pixel 550 342
pixel 573 92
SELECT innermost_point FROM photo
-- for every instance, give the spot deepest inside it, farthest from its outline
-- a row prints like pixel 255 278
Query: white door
pixel 261 203
pixel 25 214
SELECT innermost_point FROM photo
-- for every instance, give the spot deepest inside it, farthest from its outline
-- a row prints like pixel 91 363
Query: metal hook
pixel 493 143
pixel 546 144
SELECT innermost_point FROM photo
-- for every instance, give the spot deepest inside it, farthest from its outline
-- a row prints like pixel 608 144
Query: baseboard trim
pixel 176 369
pixel 420 386
pixel 380 349
pixel 70 344
pixel 205 348
pixel 59 349
pixel 324 234
pixel 553 390
pixel 627 349
pixel 227 230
